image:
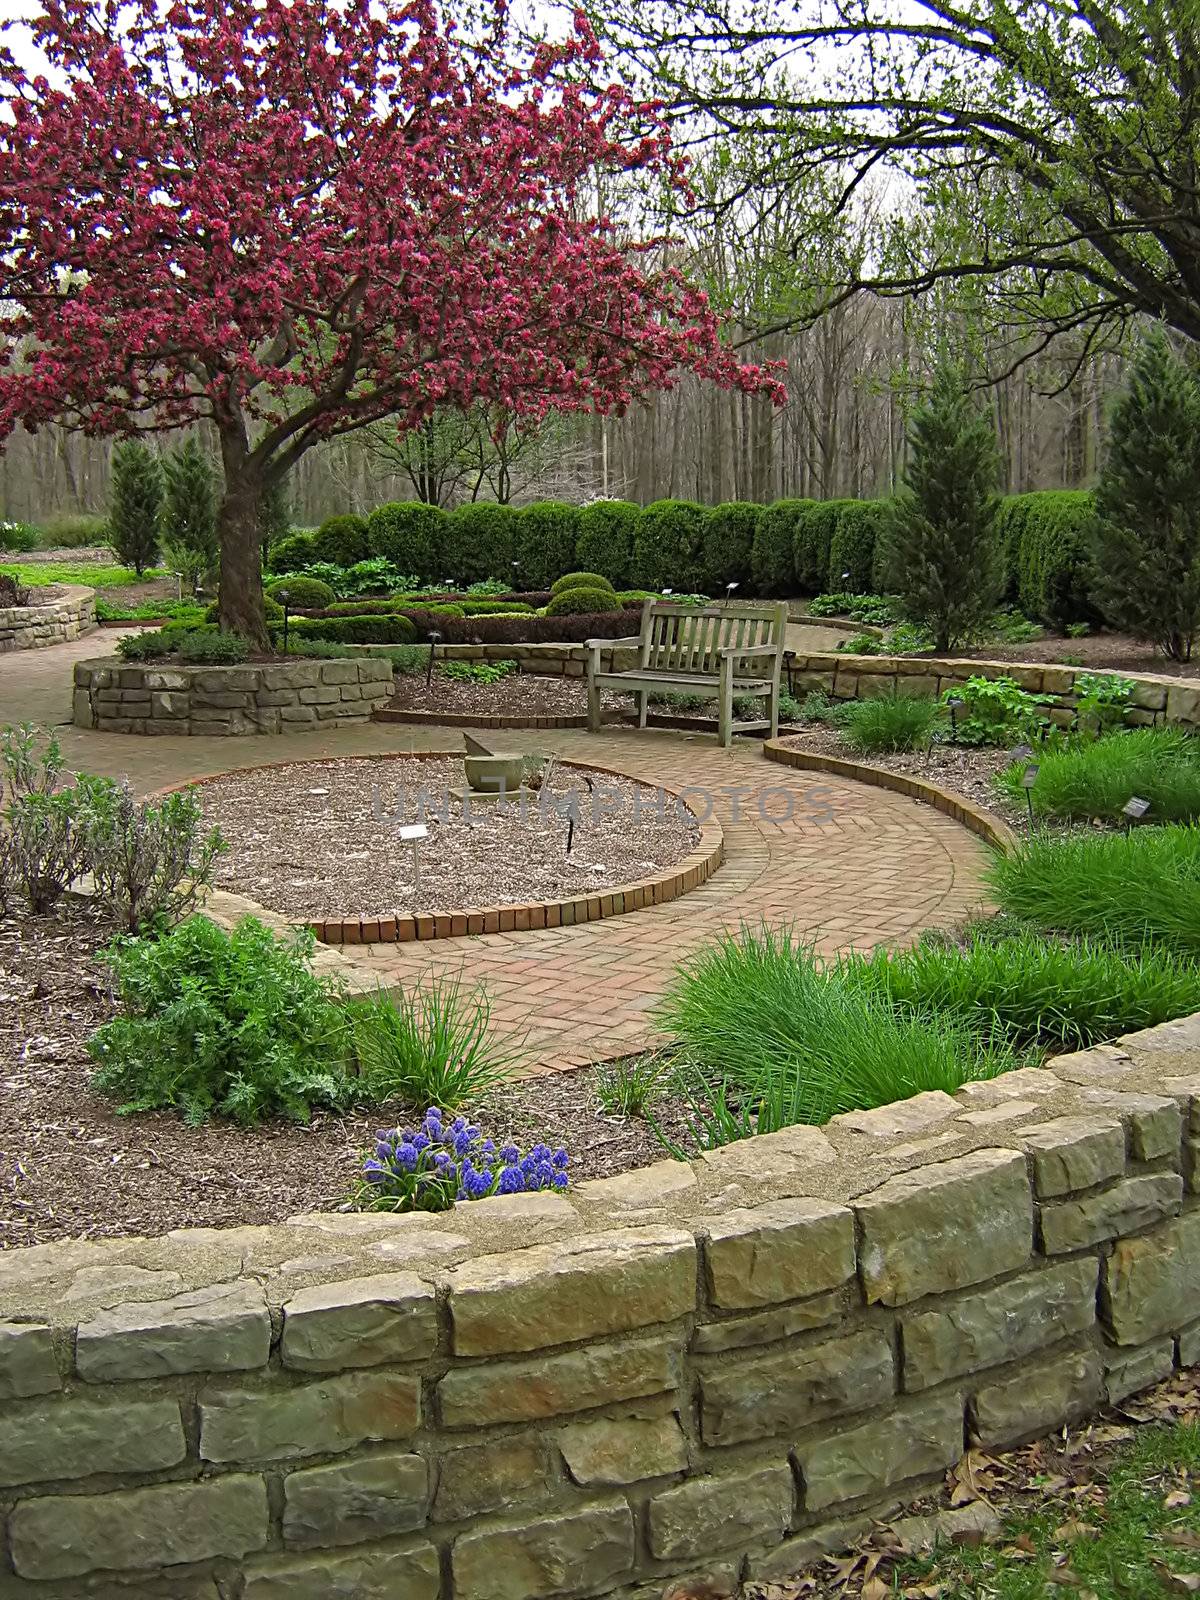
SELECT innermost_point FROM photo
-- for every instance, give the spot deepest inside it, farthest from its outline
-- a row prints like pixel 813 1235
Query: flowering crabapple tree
pixel 295 218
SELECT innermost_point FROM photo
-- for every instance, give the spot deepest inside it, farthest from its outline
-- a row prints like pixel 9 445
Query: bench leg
pixel 643 706
pixel 593 698
pixel 773 704
pixel 725 706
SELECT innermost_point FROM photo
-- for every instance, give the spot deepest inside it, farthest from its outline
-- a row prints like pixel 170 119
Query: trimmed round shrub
pixel 813 539
pixel 483 542
pixel 297 550
pixel 342 541
pixel 579 580
pixel 729 531
pixel 772 548
pixel 856 534
pixel 1053 556
pixel 668 547
pixel 574 602
pixel 635 597
pixel 411 535
pixel 544 542
pixel 304 594
pixel 604 543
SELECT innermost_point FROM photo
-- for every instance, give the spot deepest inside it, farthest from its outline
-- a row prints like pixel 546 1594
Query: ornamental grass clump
pixel 767 1038
pixel 1097 777
pixel 430 1167
pixel 1136 888
pixel 890 723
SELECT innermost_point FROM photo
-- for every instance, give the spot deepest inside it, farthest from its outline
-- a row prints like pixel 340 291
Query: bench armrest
pixel 599 644
pixel 732 652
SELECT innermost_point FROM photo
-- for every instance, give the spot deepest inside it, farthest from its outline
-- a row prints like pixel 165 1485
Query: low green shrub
pixel 812 540
pixel 876 610
pixel 857 527
pixel 604 541
pixel 862 644
pixel 411 535
pixel 18 537
pixel 73 530
pixel 544 542
pixel 668 546
pixel 889 723
pixel 573 602
pixel 1102 700
pixel 579 580
pixel 476 671
pixel 150 860
pixel 482 543
pixel 303 594
pixel 231 1024
pixel 290 554
pixel 221 649
pixel 342 541
pixel 430 1045
pixel 390 629
pixel 637 597
pixel 767 1039
pixel 1054 530
pixel 1130 888
pixel 728 542
pixel 147 646
pixel 1097 777
pixel 1034 991
pixel 772 547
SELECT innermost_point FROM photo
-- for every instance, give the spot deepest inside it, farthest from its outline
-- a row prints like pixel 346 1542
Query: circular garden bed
pixel 322 842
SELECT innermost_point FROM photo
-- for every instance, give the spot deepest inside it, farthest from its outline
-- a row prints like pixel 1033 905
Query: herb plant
pixel 1087 778
pixel 229 1024
pixel 432 1043
pixel 889 723
pixel 996 711
pixel 476 671
pixel 150 860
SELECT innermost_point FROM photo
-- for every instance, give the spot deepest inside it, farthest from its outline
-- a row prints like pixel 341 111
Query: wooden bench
pixel 727 650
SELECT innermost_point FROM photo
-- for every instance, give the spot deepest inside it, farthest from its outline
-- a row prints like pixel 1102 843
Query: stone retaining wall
pixel 1156 698
pixel 115 696
pixel 717 1370
pixel 71 616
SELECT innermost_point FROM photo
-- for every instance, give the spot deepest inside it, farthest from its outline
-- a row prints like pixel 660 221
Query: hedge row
pixel 791 547
pixel 418 626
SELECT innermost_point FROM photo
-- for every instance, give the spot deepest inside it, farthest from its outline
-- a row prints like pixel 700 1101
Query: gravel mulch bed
pixel 962 769
pixel 70 1167
pixel 320 839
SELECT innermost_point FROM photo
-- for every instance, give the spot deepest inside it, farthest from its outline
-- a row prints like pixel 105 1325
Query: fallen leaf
pixel 1073 1529
pixel 875 1588
pixel 1176 1582
pixel 1182 1539
pixel 1177 1498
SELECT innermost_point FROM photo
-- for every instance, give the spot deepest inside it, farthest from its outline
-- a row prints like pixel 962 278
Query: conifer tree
pixel 1146 561
pixel 942 556
pixel 190 511
pixel 135 504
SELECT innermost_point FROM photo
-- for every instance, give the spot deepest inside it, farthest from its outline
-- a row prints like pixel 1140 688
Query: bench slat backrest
pixel 688 639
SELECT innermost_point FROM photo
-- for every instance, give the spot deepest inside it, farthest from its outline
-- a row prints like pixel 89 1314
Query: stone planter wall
pixel 1156 698
pixel 32 627
pixel 551 660
pixel 114 696
pixel 709 1371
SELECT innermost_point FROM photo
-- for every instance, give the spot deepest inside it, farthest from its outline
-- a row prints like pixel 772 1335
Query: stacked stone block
pixel 35 626
pixel 1156 699
pixel 712 1372
pixel 117 697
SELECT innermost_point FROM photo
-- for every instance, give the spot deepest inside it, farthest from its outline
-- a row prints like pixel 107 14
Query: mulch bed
pixel 962 769
pixel 520 694
pixel 72 1168
pixel 1113 651
pixel 320 839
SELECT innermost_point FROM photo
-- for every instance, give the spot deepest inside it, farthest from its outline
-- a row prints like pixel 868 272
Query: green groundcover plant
pixel 889 723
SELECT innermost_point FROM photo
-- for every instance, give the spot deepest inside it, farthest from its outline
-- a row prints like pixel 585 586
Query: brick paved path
pixel 854 866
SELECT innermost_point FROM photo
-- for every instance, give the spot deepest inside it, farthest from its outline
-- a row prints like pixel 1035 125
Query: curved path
pixel 847 866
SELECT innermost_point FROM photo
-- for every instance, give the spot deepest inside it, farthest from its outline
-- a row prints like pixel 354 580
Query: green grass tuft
pixel 888 724
pixel 1096 777
pixel 1030 990
pixel 1129 888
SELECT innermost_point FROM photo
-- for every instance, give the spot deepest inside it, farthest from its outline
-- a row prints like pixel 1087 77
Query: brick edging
pixel 974 818
pixel 695 868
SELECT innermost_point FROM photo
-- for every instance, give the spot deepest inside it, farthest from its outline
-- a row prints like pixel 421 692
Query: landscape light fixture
pixel 283 596
pixel 956 706
pixel 434 636
pixel 667 593
pixel 1028 778
pixel 178 576
pixel 729 588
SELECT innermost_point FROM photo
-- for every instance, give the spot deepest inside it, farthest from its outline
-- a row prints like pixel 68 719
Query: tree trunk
pixel 240 598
